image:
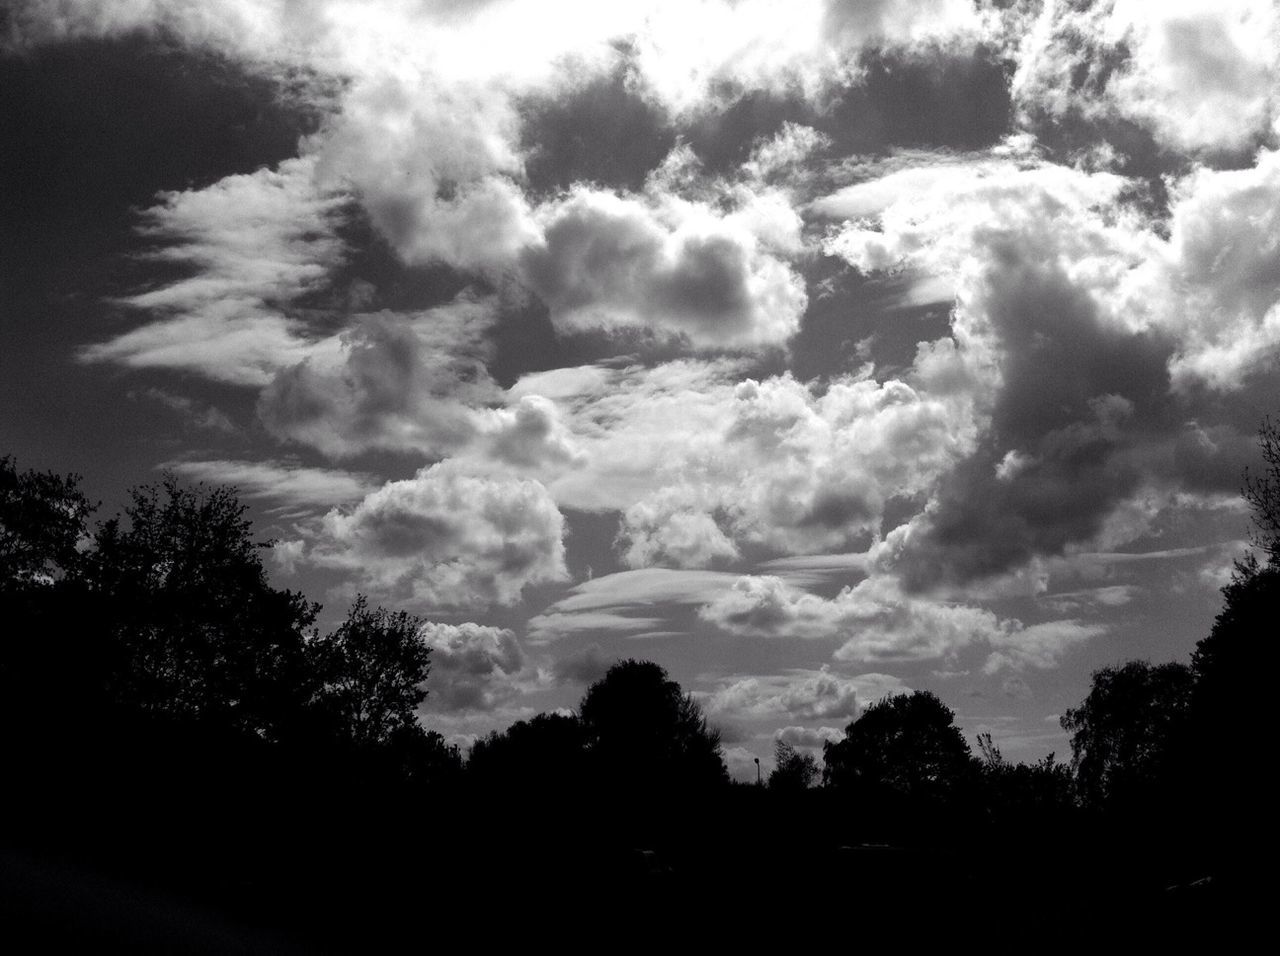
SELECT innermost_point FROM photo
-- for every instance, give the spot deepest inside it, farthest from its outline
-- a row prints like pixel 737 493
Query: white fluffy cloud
pixel 1040 645
pixel 445 538
pixel 880 621
pixel 883 623
pixel 701 463
pixel 1224 259
pixel 805 695
pixel 1086 335
pixel 473 666
pixel 605 261
pixel 1201 75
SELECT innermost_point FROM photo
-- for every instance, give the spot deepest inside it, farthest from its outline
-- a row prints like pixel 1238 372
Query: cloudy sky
pixel 815 350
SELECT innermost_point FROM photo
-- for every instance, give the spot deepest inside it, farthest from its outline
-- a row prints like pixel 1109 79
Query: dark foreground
pixel 337 871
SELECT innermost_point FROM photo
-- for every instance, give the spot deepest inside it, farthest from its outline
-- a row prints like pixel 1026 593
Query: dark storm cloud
pixel 1084 417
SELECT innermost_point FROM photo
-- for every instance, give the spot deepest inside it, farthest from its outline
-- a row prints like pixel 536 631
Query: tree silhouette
pixel 549 749
pixel 372 672
pixel 1233 664
pixel 906 745
pixel 1018 791
pixel 1128 733
pixel 643 731
pixel 203 634
pixel 53 651
pixel 793 770
pixel 42 523
pixel 1262 492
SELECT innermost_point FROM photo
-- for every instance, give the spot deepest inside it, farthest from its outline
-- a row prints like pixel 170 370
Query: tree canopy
pixel 186 597
pixel 372 671
pixel 1127 733
pixel 904 744
pixel 792 770
pixel 42 523
pixel 643 730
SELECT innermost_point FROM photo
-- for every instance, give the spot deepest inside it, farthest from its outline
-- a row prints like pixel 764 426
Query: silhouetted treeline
pixel 172 721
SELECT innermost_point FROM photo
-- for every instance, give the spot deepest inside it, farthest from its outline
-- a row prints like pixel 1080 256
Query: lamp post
pixel 757 759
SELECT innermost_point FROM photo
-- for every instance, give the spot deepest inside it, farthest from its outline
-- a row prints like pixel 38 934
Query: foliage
pixel 792 769
pixel 1018 790
pixel 548 748
pixel 905 744
pixel 1261 492
pixel 203 633
pixel 371 672
pixel 643 731
pixel 1128 732
pixel 42 523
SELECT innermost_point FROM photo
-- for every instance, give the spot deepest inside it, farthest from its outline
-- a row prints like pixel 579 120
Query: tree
pixel 52 651
pixel 793 771
pixel 1016 791
pixel 1262 492
pixel 1129 732
pixel 1230 705
pixel 549 749
pixel 372 671
pixel 905 745
pixel 642 731
pixel 42 524
pixel 202 634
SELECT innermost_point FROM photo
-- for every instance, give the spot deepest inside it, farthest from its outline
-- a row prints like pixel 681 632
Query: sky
pixel 816 350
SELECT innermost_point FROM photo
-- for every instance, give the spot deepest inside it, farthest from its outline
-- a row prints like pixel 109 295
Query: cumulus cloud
pixel 805 695
pixel 1085 334
pixel 606 261
pixel 882 622
pixel 530 433
pixel 473 666
pixel 445 538
pixel 702 463
pixel 391 381
pixel 1225 260
pixel 1200 75
pixel 1039 645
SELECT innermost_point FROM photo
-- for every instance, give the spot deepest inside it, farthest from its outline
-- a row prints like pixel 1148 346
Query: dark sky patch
pixel 90 131
pixel 853 319
pixel 372 277
pixel 723 138
pixel 604 132
pixel 938 101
